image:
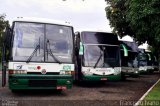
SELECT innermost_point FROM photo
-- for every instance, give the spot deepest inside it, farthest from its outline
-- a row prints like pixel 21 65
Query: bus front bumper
pixel 26 81
pixel 101 77
pixel 131 74
pixel 146 70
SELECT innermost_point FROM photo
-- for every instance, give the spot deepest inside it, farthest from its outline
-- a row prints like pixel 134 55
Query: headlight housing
pixel 68 72
pixel 117 70
pixel 17 71
pixel 87 72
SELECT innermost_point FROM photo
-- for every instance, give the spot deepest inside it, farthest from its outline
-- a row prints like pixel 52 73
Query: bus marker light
pixel 103 79
pixel 38 67
pixel 59 87
pixel 63 87
pixel 11 72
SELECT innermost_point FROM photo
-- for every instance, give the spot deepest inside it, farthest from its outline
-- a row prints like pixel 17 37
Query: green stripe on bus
pixel 149 56
pixel 125 50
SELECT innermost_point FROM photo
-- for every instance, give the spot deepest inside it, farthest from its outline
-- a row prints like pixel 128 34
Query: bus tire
pixel 59 90
pixel 14 91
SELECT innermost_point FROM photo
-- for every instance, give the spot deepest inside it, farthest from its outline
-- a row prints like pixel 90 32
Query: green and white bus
pixel 142 61
pixel 147 62
pixel 98 56
pixel 39 54
pixel 129 62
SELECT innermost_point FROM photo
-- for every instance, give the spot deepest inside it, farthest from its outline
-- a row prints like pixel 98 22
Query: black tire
pixel 59 90
pixel 135 76
pixel 14 91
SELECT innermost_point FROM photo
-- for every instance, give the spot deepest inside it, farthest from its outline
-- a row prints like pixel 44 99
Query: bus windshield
pixel 48 37
pixel 109 58
pixel 142 59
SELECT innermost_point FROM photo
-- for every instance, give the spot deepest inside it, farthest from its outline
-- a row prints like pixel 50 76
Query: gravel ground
pixel 95 94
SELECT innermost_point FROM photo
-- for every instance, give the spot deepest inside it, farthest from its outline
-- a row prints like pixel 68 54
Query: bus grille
pixel 42 83
pixel 48 73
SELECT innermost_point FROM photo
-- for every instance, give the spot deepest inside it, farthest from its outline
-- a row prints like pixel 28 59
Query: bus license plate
pixel 103 79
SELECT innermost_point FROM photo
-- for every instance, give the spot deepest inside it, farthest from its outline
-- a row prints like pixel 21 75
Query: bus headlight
pixel 87 72
pixel 62 72
pixel 67 72
pixel 17 72
pixel 136 72
pixel 117 70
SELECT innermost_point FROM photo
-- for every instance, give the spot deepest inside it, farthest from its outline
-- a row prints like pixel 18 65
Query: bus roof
pixel 132 46
pixel 41 20
pixel 99 37
pixel 90 30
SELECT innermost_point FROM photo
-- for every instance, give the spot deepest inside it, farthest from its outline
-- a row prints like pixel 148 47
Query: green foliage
pixel 143 16
pixel 154 94
pixel 3 24
pixel 137 18
pixel 116 13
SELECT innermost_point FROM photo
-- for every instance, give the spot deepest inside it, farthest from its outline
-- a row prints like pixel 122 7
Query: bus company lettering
pixel 32 68
pixel 66 67
pixel 104 70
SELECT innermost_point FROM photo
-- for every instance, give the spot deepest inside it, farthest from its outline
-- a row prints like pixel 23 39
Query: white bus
pixel 129 61
pixel 39 54
pixel 98 56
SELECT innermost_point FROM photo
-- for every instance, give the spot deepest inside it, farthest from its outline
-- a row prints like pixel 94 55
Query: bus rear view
pixel 98 56
pixel 40 54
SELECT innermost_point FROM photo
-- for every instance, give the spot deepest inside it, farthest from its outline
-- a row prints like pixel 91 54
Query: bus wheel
pixel 14 91
pixel 59 90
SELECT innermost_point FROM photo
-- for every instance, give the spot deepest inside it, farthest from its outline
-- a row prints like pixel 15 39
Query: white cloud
pixel 82 14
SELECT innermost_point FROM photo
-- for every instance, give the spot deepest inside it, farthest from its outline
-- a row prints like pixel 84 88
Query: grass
pixel 153 97
pixel 154 94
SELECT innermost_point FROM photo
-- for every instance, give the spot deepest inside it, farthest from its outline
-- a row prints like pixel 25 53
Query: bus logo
pixel 43 71
pixel 19 67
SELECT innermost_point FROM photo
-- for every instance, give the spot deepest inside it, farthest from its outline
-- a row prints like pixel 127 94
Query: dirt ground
pixel 105 94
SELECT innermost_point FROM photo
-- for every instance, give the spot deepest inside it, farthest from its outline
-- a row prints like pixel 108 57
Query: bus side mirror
pixel 81 49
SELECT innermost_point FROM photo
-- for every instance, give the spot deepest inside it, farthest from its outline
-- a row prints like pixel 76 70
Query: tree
pixel 137 18
pixel 144 16
pixel 116 13
pixel 3 24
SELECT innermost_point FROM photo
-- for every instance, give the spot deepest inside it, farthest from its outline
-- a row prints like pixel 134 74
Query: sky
pixel 82 14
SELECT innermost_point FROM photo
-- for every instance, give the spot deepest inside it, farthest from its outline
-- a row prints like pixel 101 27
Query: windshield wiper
pixel 50 52
pixel 98 60
pixel 35 50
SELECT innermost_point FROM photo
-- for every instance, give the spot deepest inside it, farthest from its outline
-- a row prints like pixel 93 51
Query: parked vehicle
pixel 98 56
pixel 39 54
pixel 129 62
pixel 147 62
